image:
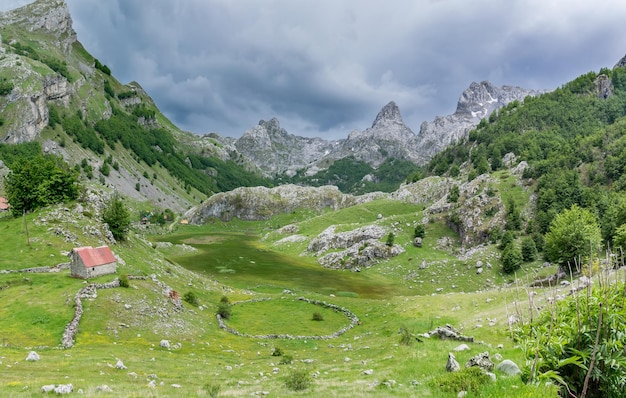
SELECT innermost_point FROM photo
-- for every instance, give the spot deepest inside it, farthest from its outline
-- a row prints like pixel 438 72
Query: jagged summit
pixel 476 102
pixel 53 16
pixel 389 114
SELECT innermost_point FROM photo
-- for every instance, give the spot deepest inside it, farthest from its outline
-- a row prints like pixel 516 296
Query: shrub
pixel 317 316
pixel 224 310
pixel 124 280
pixel 191 298
pixel 511 259
pixel 213 390
pixel 529 249
pixel 277 352
pixel 390 239
pixel 468 379
pixel 453 195
pixel 578 343
pixel 507 239
pixel 419 231
pixel 116 215
pixel 298 380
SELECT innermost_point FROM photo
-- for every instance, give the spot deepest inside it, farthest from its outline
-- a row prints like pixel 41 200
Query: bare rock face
pixel 478 101
pixel 260 203
pixel 362 247
pixel 276 151
pixel 52 16
pixel 388 137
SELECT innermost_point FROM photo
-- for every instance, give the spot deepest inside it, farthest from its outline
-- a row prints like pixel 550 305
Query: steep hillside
pixel 54 92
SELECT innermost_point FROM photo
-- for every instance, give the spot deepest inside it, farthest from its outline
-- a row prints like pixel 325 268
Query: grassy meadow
pixel 244 261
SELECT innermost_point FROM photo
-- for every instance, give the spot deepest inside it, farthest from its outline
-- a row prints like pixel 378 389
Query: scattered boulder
pixel 452 365
pixel 481 360
pixel 448 332
pixel 165 344
pixel 417 242
pixel 462 347
pixel 32 357
pixel 64 389
pixel 120 365
pixel 47 388
pixel 104 388
pixel 368 372
pixel 509 368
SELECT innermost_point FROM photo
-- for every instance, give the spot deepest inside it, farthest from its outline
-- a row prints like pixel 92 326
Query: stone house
pixel 88 262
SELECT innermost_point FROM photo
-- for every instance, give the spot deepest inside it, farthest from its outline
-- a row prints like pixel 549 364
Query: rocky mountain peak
pixel 53 16
pixel 389 114
pixel 478 101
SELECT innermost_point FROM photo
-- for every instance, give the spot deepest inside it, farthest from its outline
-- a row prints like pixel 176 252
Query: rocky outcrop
pixel 478 209
pixel 261 203
pixel 478 101
pixel 275 151
pixel 51 16
pixel 362 248
pixel 388 137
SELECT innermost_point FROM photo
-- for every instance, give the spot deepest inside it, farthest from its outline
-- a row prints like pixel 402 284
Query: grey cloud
pixel 326 67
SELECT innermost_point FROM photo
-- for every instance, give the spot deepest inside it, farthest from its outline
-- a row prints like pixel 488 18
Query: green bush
pixel 224 310
pixel 116 215
pixel 453 195
pixel 507 239
pixel 191 298
pixel 298 380
pixel 286 360
pixel 317 316
pixel 529 249
pixel 124 280
pixel 511 259
pixel 419 231
pixel 277 352
pixel 579 341
pixel 390 239
pixel 467 379
pixel 213 390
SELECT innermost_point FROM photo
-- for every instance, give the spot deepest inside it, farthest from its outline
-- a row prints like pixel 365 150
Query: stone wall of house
pixel 101 270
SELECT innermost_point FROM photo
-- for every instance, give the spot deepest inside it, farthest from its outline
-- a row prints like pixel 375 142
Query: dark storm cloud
pixel 326 67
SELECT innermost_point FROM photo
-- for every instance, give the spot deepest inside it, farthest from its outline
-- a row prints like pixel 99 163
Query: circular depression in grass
pixel 288 318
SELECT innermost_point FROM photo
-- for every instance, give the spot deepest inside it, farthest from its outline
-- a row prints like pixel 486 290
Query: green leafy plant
pixel 124 280
pixel 511 259
pixel 467 379
pixel 578 343
pixel 318 317
pixel 390 239
pixel 116 215
pixel 191 298
pixel 298 380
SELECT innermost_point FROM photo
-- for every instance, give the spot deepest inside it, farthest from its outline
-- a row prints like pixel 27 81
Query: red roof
pixel 93 257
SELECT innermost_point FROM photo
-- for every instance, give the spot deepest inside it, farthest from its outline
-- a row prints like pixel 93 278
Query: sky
pixel 326 67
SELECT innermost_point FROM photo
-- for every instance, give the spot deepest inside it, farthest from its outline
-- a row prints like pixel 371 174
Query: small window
pixel 93 269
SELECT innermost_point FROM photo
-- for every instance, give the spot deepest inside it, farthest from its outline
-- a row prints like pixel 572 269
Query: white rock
pixel 47 388
pixel 462 347
pixel 33 356
pixel 120 365
pixel 152 383
pixel 104 388
pixel 368 372
pixel 165 344
pixel 346 359
pixel 176 385
pixel 64 389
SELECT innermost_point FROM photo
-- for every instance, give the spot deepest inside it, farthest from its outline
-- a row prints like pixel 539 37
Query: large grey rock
pixel 32 356
pixel 478 101
pixel 508 367
pixel 481 360
pixel 452 365
pixel 275 151
pixel 64 389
